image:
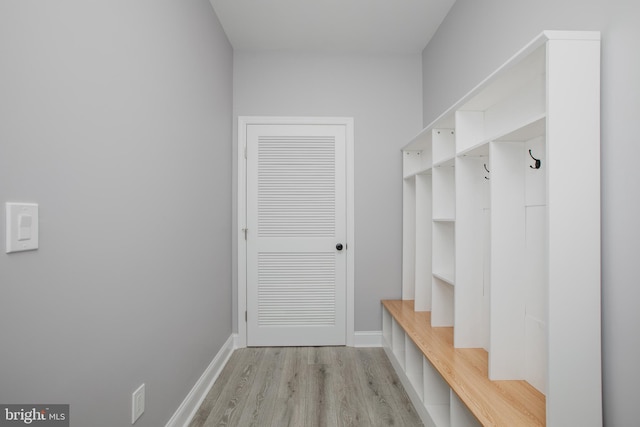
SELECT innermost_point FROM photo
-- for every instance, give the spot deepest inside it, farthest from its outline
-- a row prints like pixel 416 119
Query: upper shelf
pixel 525 66
pixel 416 162
pixel 528 129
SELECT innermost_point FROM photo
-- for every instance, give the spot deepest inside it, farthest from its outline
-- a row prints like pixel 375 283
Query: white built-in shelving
pixel 501 233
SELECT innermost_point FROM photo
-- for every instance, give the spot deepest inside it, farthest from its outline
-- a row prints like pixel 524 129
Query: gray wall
pixel 383 94
pixel 475 39
pixel 115 116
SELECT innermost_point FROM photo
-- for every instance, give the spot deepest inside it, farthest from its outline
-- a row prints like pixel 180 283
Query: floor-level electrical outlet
pixel 137 404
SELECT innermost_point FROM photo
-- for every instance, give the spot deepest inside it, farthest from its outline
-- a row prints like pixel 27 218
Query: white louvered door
pixel 296 216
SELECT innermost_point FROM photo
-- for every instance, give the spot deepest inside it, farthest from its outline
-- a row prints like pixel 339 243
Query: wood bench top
pixel 493 403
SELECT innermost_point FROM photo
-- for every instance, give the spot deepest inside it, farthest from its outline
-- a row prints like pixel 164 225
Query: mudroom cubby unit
pixel 499 322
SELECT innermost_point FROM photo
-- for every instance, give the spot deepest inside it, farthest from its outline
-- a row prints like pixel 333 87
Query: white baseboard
pixel 187 410
pixel 367 339
pixel 238 341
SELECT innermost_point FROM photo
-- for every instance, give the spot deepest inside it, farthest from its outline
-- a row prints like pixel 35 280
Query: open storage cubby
pixel 443 144
pixel 444 197
pixel 454 390
pixel 423 233
pixel 409 238
pixel 472 271
pixel 501 249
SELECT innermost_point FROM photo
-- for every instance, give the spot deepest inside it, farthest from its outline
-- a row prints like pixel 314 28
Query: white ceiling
pixel 372 26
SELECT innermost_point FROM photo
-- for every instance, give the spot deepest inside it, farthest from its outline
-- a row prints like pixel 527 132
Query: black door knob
pixel 339 246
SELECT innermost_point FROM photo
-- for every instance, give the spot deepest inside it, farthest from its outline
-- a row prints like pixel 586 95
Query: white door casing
pixel 295 204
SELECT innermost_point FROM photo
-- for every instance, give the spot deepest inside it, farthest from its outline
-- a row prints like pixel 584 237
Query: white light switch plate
pixel 21 226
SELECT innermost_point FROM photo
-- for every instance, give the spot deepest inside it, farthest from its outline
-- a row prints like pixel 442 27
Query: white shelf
pixel 530 128
pixel 422 172
pixel 416 162
pixel 480 149
pixel 446 279
pixel 511 246
pixel 445 162
pixel 506 82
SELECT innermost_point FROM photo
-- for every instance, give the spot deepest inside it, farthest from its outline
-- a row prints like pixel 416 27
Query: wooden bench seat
pixel 493 403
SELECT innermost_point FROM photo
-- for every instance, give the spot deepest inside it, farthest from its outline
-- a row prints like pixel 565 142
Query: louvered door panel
pixel 296 186
pixel 296 289
pixel 296 279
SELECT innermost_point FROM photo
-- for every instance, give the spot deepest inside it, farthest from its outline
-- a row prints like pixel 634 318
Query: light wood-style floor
pixel 307 387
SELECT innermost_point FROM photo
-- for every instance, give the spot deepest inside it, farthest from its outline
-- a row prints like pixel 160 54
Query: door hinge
pixel 245 152
pixel 245 316
pixel 244 230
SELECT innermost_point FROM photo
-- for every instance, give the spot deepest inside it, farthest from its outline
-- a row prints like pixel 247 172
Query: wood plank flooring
pixel 307 387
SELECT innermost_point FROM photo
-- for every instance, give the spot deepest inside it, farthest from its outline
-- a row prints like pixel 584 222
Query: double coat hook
pixel 537 164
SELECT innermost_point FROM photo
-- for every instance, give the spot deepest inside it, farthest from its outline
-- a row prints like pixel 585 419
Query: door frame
pixel 243 122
